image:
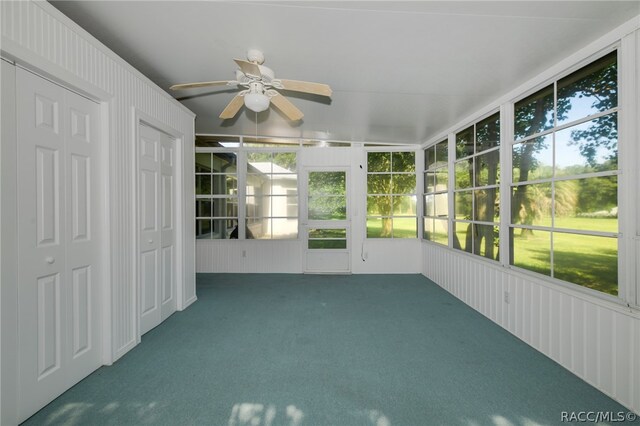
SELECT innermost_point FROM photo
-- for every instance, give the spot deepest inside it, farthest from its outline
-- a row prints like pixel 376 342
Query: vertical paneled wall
pixel 38 36
pixel 597 340
pixel 267 256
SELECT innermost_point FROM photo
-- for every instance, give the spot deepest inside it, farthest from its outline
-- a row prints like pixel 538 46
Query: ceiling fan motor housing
pixel 267 74
pixel 255 56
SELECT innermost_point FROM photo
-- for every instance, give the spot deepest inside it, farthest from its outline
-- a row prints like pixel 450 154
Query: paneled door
pixel 59 240
pixel 327 225
pixel 156 224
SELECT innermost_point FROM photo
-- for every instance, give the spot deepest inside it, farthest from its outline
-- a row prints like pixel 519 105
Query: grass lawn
pixel 582 223
pixel 403 227
pixel 580 259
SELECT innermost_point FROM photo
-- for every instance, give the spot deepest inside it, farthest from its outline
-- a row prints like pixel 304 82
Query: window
pixel 216 194
pixel 564 189
pixel 292 202
pixel 327 195
pixel 230 171
pixel 476 189
pixel 391 195
pixel 436 197
pixel 271 195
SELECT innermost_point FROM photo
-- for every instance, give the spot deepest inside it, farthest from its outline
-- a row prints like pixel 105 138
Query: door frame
pixel 140 118
pixel 9 259
pixel 305 222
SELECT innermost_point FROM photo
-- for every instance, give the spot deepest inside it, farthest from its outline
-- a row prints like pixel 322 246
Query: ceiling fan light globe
pixel 257 102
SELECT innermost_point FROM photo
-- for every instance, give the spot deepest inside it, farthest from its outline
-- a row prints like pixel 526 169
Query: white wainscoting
pixel 383 256
pixel 37 36
pixel 386 256
pixel 597 340
pixel 268 256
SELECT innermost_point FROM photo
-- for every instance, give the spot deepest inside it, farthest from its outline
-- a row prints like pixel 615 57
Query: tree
pixel 533 114
pixel 486 173
pixel 597 194
pixel 327 195
pixel 598 83
pixel 590 89
pixel 383 180
pixel 479 171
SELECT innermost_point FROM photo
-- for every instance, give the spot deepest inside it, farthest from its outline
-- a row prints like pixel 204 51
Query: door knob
pixel 50 260
pixel 150 241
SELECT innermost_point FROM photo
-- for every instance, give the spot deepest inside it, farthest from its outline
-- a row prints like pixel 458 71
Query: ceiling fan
pixel 260 86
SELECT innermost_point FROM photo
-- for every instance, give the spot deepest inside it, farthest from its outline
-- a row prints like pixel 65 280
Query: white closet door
pixel 82 121
pixel 149 226
pixel 58 312
pixel 157 227
pixel 168 231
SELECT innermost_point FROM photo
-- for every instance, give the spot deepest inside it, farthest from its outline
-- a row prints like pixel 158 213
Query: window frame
pixel 555 128
pixel 241 152
pixel 473 187
pixel 417 189
pixel 245 218
pixel 211 197
pixel 436 192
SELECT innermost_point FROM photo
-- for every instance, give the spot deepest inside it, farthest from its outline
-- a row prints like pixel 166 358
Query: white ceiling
pixel 400 71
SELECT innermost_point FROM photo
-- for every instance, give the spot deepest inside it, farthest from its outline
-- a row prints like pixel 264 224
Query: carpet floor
pixel 280 349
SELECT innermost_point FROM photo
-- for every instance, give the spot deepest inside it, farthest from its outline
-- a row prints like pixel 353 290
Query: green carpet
pixel 277 349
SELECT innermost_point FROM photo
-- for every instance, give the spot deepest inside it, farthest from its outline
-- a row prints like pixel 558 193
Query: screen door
pixel 326 227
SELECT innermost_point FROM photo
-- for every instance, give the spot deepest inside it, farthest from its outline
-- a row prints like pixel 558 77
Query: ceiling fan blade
pixel 306 87
pixel 201 84
pixel 287 108
pixel 233 107
pixel 249 68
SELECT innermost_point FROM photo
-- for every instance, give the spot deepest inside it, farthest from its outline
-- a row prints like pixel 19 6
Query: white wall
pixel 381 255
pixel 598 339
pixel 37 36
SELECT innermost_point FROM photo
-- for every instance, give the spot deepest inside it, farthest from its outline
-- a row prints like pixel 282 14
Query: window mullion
pixel 629 218
pixel 451 144
pixel 242 192
pixel 506 172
